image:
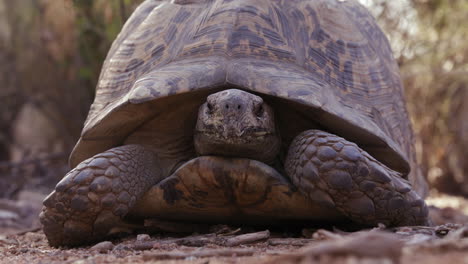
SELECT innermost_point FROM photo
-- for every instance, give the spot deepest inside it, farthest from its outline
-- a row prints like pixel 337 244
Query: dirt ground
pixel 22 241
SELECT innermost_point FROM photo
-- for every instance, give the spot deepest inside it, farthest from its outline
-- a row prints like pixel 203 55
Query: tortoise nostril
pixel 209 106
pixel 238 106
pixel 226 106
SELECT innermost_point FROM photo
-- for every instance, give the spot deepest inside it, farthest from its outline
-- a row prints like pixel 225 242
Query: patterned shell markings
pixel 327 54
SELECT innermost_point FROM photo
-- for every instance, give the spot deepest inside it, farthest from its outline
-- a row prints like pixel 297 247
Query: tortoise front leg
pixel 94 197
pixel 336 172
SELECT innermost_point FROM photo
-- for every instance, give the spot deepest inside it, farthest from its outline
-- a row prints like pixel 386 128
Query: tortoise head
pixel 239 124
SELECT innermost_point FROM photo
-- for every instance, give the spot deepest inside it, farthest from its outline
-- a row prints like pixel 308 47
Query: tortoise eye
pixel 259 112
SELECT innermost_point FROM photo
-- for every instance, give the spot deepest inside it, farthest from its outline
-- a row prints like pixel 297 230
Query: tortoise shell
pixel 328 57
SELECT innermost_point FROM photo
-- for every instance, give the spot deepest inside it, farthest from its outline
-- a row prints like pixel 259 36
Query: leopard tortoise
pixel 244 111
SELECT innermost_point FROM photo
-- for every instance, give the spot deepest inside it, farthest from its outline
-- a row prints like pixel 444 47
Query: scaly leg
pixel 336 172
pixel 94 197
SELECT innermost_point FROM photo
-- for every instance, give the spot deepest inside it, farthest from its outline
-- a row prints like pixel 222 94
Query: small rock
pixel 34 237
pixel 143 237
pixel 141 245
pixel 121 247
pixel 8 241
pixel 80 261
pixel 103 247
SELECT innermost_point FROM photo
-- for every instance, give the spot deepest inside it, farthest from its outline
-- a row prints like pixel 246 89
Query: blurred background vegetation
pixel 51 53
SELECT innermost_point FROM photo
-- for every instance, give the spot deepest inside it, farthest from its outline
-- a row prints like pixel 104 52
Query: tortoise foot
pixel 93 198
pixel 331 169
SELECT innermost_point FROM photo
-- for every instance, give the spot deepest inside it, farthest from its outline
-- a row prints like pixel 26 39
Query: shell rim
pixel 232 72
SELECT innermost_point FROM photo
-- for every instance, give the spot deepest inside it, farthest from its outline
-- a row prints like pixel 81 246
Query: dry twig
pixel 247 238
pixel 175 227
pixel 202 240
pixel 289 241
pixel 200 254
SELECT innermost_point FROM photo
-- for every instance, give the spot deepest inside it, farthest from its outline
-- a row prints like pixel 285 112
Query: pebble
pixel 143 237
pixel 4 240
pixel 103 247
pixel 35 237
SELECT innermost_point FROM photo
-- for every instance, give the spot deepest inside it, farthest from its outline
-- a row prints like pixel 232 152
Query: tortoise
pixel 244 111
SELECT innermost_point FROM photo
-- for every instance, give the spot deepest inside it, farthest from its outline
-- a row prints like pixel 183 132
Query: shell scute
pixel 326 55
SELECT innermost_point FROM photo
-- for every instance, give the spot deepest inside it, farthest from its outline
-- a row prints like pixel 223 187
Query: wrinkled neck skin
pixel 234 123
